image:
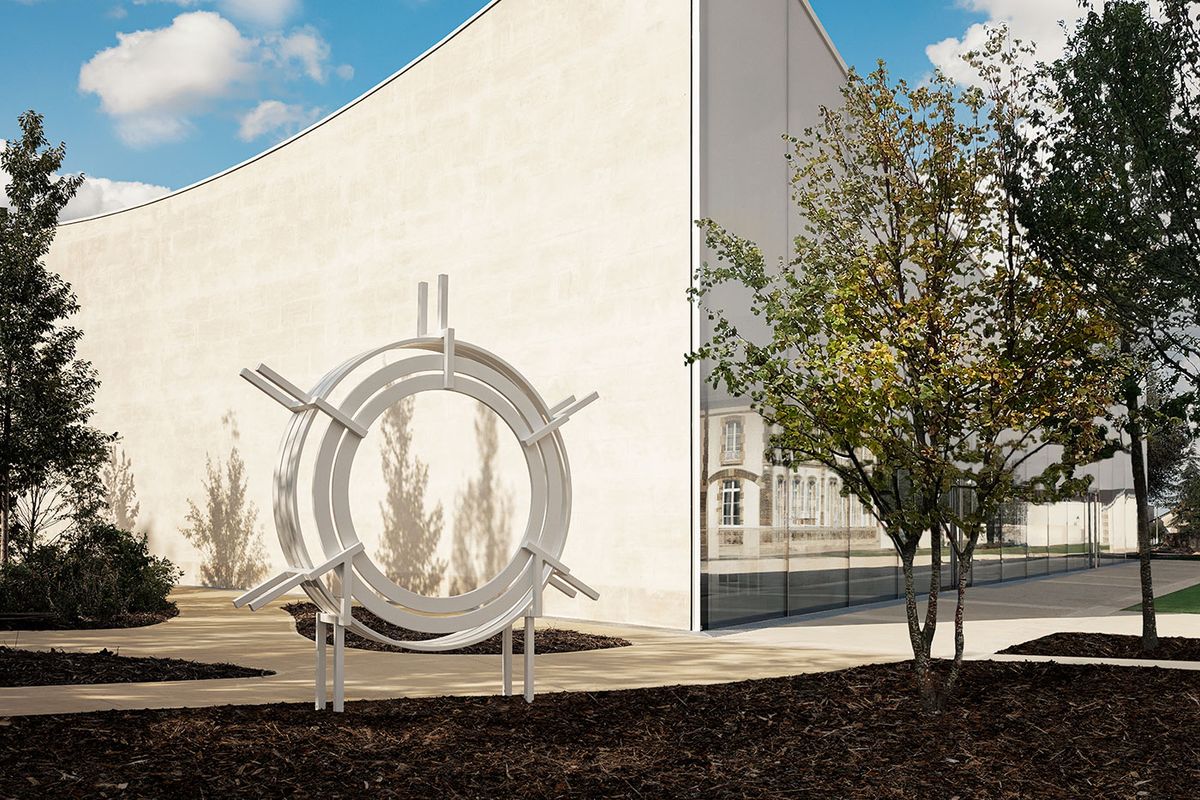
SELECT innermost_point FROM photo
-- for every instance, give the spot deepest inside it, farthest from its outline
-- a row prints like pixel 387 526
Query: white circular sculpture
pixel 334 570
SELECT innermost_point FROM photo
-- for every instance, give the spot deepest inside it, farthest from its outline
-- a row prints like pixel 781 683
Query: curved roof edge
pixel 297 135
pixel 825 35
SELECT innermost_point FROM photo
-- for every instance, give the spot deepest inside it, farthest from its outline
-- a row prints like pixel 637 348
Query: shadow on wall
pixel 120 494
pixel 408 546
pixel 482 516
pixel 225 528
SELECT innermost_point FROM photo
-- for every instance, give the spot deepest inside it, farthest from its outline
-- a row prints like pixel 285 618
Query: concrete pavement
pixel 208 628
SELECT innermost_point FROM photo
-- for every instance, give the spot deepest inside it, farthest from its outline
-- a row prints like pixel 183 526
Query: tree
pixel 1169 441
pixel 408 547
pixel 47 445
pixel 120 493
pixel 225 530
pixel 1186 511
pixel 484 515
pixel 1111 202
pixel 914 345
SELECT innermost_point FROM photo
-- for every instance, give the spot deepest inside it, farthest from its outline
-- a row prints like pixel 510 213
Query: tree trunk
pixel 1142 501
pixel 921 639
pixel 964 565
pixel 4 518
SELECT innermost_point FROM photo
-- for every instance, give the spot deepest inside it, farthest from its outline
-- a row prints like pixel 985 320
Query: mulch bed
pixel 1108 645
pixel 1016 730
pixel 54 667
pixel 50 622
pixel 546 640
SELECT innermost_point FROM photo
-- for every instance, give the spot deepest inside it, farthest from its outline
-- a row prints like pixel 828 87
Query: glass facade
pixel 779 541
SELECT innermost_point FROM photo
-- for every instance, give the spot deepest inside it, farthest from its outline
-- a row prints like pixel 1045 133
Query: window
pixel 797 505
pixel 781 515
pixel 810 511
pixel 835 504
pixel 731 502
pixel 733 441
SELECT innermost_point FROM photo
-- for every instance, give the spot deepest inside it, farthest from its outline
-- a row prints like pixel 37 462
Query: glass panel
pixel 1077 534
pixel 1014 541
pixel 1039 541
pixel 874 564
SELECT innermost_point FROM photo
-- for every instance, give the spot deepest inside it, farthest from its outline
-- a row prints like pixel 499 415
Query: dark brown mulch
pixel 1108 645
pixel 51 622
pixel 547 640
pixel 54 667
pixel 1016 730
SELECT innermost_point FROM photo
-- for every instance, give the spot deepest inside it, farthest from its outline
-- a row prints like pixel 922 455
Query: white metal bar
pixel 341 417
pixel 563 587
pixel 561 405
pixel 322 631
pixel 564 572
pixel 283 383
pixel 422 309
pixel 538 565
pixel 557 422
pixel 577 584
pixel 443 301
pixel 448 351
pixel 544 554
pixel 506 653
pixel 242 599
pixel 346 576
pixel 529 653
pixel 277 591
pixel 339 667
pixel 261 383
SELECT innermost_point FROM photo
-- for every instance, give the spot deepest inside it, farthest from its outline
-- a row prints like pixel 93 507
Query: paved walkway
pixel 208 628
pixel 998 615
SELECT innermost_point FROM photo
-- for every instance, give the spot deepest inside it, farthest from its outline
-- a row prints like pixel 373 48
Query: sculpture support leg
pixel 321 633
pixel 339 666
pixel 529 651
pixel 506 653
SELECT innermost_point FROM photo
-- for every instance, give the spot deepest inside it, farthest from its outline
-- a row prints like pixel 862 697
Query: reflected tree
pixel 410 534
pixel 225 528
pixel 481 522
pixel 120 494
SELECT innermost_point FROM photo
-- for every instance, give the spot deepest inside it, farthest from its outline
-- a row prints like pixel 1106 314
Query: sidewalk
pixel 209 628
pixel 998 615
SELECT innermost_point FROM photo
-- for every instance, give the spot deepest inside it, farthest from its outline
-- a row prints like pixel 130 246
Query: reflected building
pixel 782 540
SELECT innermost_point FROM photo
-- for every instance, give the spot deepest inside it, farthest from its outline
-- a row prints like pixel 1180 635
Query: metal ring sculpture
pixel 343 572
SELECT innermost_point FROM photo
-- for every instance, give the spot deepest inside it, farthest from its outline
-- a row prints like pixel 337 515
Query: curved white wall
pixel 541 158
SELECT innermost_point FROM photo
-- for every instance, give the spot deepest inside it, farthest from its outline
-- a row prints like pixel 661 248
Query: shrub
pixel 100 575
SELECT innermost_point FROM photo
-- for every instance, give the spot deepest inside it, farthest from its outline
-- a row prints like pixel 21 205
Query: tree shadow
pixel 225 528
pixel 408 545
pixel 120 492
pixel 482 516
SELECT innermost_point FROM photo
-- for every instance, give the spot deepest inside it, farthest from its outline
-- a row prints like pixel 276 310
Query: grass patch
pixel 1185 601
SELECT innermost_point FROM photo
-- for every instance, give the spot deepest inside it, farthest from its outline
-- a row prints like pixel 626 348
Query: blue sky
pixel 160 93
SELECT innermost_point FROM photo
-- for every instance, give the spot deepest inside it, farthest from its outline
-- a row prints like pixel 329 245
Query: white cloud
pixel 1036 22
pixel 305 48
pixel 97 195
pixel 152 80
pixel 269 14
pixel 273 116
pixel 264 13
pixel 345 72
pixel 101 195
